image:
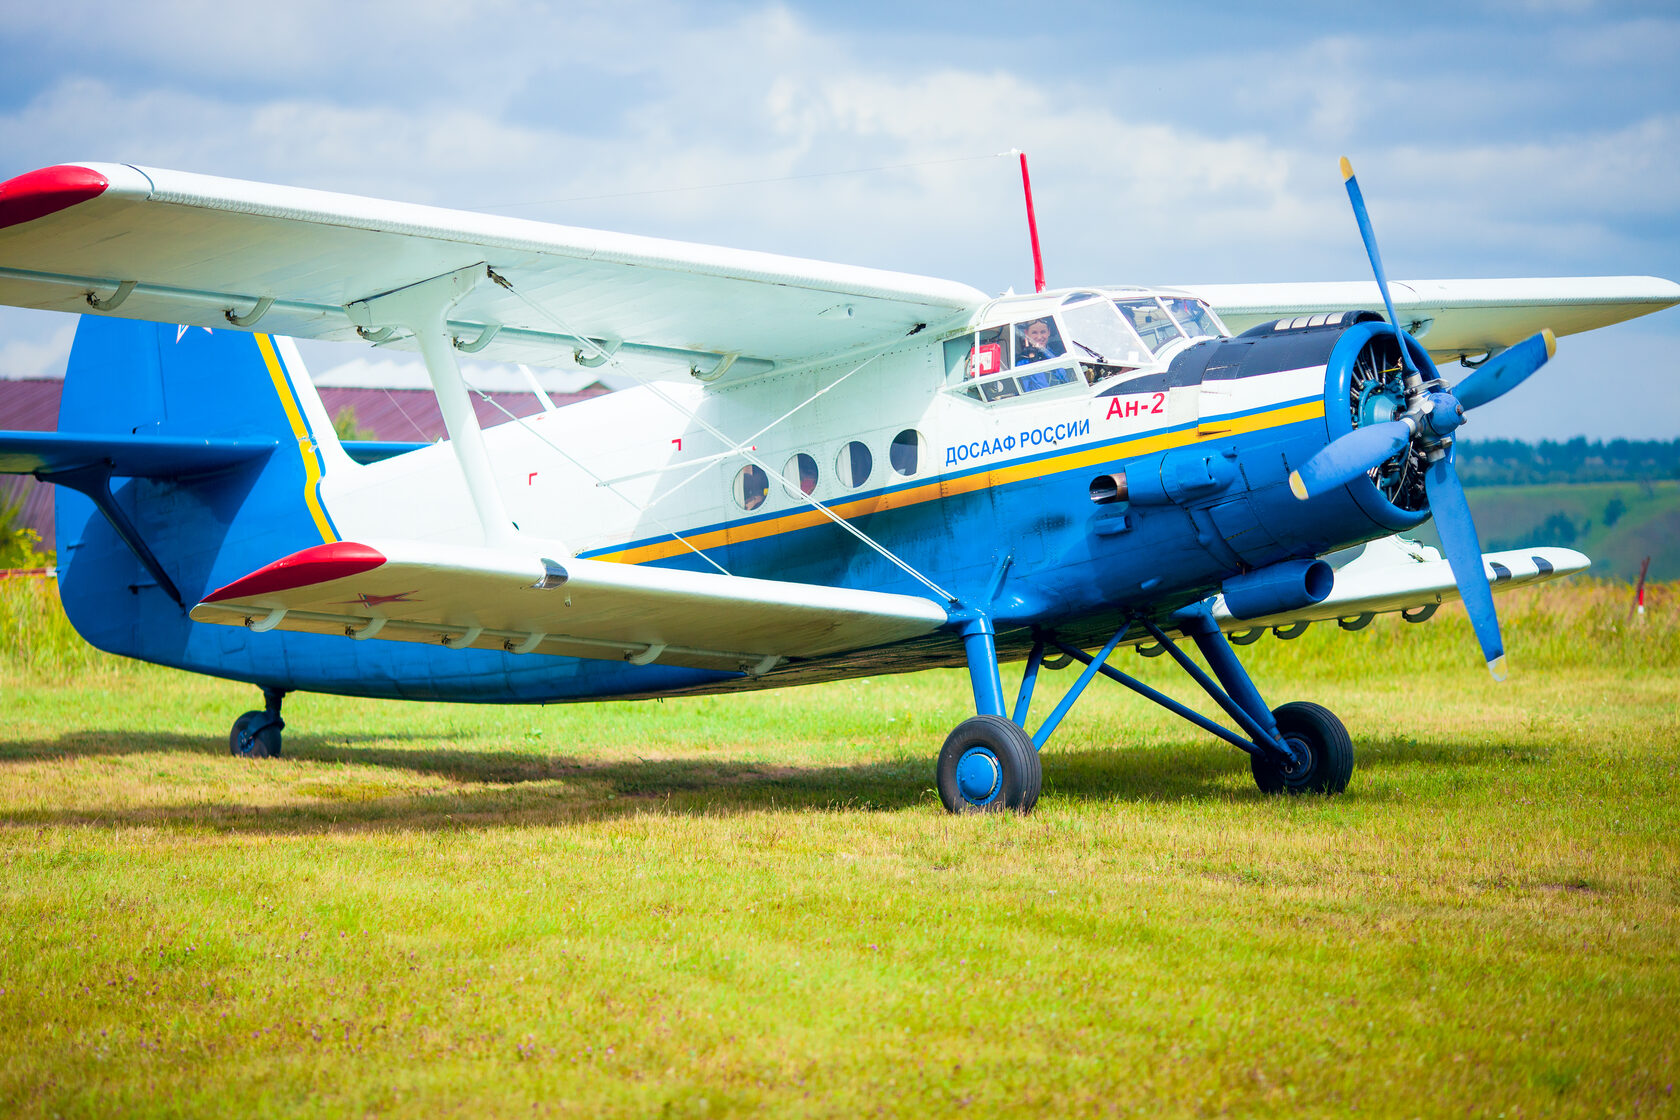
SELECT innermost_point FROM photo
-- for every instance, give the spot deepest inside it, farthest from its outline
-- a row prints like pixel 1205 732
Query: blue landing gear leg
pixel 988 764
pixel 257 734
pixel 1317 755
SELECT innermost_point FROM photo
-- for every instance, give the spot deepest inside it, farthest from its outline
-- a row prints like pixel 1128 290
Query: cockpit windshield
pixel 1151 321
pixel 1100 334
pixel 1089 337
pixel 1192 317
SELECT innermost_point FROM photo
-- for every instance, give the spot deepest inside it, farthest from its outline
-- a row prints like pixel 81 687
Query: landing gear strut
pixel 257 734
pixel 990 764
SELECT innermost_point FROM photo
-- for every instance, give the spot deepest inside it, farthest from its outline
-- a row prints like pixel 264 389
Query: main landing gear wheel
pixel 255 735
pixel 988 765
pixel 1328 747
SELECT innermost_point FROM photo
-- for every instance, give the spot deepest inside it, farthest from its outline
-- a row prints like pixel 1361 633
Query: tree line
pixel 1515 462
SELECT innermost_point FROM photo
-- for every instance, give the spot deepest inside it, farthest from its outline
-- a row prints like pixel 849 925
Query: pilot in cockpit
pixel 1039 341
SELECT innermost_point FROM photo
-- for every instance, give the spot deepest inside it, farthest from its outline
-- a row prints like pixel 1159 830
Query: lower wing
pixel 1396 575
pixel 462 597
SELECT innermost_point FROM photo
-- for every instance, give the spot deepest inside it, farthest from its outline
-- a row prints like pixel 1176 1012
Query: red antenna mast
pixel 1032 227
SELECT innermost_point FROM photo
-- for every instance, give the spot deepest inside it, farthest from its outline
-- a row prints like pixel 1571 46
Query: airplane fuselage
pixel 987 482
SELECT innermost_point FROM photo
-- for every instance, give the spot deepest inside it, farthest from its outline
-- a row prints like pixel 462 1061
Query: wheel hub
pixel 1300 757
pixel 979 776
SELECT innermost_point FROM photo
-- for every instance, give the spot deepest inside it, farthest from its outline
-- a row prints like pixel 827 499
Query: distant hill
pixel 1617 500
pixel 1618 524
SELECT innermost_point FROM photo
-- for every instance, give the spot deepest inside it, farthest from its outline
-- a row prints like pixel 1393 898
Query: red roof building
pixel 396 415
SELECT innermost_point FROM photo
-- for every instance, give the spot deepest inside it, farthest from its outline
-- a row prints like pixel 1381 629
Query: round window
pixel 752 486
pixel 801 471
pixel 906 452
pixel 854 464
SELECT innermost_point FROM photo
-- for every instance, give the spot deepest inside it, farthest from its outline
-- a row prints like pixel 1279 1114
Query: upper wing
pixel 1453 318
pixel 196 248
pixel 489 599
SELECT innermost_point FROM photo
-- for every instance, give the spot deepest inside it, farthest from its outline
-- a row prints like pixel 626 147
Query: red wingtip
pixel 319 564
pixel 36 194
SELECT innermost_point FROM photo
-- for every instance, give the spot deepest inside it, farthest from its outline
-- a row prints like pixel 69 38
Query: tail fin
pixel 211 446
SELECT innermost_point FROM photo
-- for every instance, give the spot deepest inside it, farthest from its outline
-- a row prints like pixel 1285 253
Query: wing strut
pixel 423 308
pixel 769 472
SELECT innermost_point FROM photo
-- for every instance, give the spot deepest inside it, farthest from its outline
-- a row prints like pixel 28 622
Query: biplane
pixel 819 471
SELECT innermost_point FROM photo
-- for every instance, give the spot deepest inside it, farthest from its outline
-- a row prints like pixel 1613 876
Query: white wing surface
pixel 1453 318
pixel 175 247
pixel 491 599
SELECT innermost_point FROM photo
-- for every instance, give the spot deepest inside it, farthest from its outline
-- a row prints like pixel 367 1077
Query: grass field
pixel 732 905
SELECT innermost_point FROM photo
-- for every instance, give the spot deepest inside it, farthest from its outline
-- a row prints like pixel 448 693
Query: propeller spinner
pixel 1431 415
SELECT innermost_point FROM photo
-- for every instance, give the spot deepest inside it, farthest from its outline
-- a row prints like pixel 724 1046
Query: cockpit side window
pixel 1037 340
pixel 1035 347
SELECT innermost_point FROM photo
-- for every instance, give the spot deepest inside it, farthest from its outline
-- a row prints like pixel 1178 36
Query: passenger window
pixel 905 454
pixel 801 471
pixel 752 486
pixel 854 465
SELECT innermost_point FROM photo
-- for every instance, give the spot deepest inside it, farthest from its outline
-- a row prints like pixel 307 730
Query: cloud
pixel 38 353
pixel 1486 144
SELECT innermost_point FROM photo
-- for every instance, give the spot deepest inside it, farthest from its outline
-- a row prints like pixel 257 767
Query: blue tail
pixel 185 459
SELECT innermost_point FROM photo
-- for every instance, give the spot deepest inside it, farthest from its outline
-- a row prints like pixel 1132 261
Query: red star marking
pixel 381 600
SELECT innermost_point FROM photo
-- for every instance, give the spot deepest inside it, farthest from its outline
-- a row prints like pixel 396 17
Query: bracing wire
pixel 641 509
pixel 653 387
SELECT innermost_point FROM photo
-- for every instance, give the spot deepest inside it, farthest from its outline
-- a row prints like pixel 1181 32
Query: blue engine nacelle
pixel 1284 587
pixel 1234 488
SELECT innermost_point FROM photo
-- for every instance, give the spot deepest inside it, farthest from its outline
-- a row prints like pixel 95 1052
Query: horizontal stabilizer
pixel 462 597
pixel 374 451
pixel 130 456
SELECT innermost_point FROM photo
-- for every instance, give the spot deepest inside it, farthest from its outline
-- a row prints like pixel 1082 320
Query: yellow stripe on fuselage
pixel 979 480
pixel 300 431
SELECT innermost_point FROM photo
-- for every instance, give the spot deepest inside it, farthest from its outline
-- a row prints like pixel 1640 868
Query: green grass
pixel 741 904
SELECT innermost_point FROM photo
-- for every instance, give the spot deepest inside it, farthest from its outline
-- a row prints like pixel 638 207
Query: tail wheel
pixel 1328 746
pixel 988 765
pixel 255 735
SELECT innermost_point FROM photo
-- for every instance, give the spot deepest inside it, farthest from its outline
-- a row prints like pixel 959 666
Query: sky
pixel 1182 143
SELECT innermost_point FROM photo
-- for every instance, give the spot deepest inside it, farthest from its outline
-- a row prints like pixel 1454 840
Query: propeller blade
pixel 1506 370
pixel 1370 237
pixel 1345 459
pixel 1464 553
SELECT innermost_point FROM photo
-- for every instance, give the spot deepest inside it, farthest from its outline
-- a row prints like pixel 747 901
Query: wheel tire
pixel 263 743
pixel 1328 745
pixel 988 765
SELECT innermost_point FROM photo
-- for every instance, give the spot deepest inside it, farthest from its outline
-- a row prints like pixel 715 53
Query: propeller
pixel 1506 370
pixel 1431 415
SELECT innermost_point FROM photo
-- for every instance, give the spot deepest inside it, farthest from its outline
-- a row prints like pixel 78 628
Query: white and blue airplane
pixel 822 472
